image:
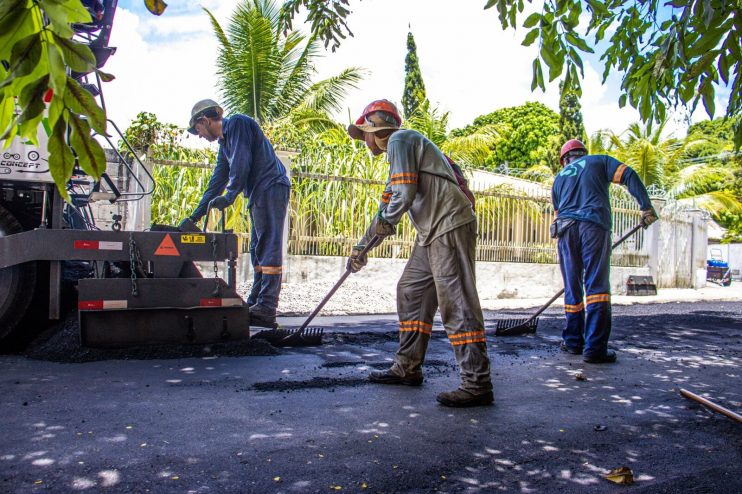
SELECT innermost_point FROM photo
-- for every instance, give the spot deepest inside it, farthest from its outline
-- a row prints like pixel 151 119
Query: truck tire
pixel 17 283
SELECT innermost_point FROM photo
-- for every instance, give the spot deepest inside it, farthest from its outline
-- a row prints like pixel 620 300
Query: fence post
pixel 652 241
pixel 699 248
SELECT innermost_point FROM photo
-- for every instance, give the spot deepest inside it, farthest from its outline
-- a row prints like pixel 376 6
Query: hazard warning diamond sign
pixel 167 247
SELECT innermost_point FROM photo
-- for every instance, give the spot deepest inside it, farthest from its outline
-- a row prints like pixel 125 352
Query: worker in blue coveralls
pixel 583 226
pixel 246 163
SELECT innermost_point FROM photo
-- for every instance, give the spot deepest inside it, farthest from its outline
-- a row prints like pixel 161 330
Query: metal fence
pixel 328 214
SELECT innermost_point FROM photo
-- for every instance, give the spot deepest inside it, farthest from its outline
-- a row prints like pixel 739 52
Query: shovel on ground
pixel 305 336
pixel 515 327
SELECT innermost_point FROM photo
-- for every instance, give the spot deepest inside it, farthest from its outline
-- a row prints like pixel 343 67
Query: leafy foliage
pixel 669 53
pixel 414 87
pixel 266 74
pixel 326 17
pixel 36 46
pixel 524 134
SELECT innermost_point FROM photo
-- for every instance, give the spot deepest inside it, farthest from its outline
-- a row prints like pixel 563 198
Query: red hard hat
pixel 570 145
pixel 380 105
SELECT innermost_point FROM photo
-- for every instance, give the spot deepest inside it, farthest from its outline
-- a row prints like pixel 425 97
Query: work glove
pixel 649 216
pixel 219 202
pixel 356 262
pixel 383 227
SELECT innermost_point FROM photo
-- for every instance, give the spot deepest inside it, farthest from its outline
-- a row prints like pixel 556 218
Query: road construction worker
pixel 246 163
pixel 440 271
pixel 583 227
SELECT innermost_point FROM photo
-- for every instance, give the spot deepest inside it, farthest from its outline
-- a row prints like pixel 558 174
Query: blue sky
pixel 470 66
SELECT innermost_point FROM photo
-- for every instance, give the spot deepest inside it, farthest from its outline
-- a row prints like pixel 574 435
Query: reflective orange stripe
pixel 271 269
pixel 574 308
pixel 386 197
pixel 619 173
pixel 468 337
pixel 393 175
pixel 258 269
pixel 403 181
pixel 415 326
pixel 598 297
pixel 470 340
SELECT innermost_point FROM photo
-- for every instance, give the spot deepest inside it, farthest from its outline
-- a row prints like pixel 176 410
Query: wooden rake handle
pixel 376 240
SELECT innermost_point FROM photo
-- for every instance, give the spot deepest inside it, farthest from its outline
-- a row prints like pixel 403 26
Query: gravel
pixel 353 297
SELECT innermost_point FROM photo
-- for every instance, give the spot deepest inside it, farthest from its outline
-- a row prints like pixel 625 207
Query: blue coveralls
pixel 580 192
pixel 247 163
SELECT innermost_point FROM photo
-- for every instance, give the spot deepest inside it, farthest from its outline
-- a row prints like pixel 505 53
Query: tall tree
pixel 266 72
pixel 414 87
pixel 570 114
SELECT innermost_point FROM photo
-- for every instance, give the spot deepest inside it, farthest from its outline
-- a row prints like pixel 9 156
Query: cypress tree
pixel 570 115
pixel 414 87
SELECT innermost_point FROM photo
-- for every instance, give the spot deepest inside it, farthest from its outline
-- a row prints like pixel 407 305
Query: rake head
pixel 515 327
pixel 292 337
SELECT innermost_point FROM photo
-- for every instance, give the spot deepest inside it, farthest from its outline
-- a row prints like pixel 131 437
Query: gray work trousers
pixel 441 275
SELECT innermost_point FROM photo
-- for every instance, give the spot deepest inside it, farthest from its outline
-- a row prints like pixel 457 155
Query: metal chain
pixel 217 286
pixel 132 265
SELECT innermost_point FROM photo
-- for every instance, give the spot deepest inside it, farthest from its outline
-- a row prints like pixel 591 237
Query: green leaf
pixel 25 56
pixel 80 101
pixel 61 159
pixel 532 20
pixel 104 76
pixel 538 76
pixel 76 55
pixel 531 37
pixel 31 100
pixel 16 23
pixel 7 113
pixel 707 91
pixel 56 107
pixel 57 70
pixel 622 101
pixel 90 155
pixel 156 7
pixel 490 4
pixel 580 43
pixel 65 12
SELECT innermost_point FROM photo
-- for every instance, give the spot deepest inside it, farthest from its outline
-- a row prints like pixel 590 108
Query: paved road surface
pixel 308 421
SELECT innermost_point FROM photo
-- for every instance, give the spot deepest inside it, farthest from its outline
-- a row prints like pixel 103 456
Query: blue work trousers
pixel 585 259
pixel 267 217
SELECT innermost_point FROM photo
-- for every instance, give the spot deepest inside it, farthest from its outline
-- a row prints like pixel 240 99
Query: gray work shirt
pixel 422 184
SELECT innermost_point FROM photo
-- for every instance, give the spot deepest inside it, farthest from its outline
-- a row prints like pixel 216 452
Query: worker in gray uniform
pixel 440 272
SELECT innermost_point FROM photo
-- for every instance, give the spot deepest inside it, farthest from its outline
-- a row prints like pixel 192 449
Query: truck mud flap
pixel 161 326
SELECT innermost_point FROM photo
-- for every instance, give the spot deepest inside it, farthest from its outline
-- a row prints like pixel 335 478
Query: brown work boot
pixel 389 377
pixel 461 398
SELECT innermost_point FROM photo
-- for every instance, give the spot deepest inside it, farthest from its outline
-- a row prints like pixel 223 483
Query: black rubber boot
pixel 607 358
pixel 388 377
pixel 460 398
pixel 260 316
pixel 568 349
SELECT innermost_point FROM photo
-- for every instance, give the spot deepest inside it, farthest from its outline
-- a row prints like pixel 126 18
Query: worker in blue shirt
pixel 583 226
pixel 247 163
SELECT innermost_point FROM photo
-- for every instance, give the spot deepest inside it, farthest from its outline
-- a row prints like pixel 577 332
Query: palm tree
pixel 267 74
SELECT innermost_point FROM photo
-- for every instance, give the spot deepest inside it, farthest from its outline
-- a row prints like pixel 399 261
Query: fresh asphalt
pixel 307 420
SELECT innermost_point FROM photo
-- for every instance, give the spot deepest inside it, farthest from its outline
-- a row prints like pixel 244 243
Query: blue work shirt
pixel 246 163
pixel 580 191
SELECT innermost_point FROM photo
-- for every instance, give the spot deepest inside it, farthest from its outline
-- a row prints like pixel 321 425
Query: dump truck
pixel 132 287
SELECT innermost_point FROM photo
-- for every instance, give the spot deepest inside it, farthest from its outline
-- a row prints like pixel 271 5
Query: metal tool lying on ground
pixel 310 336
pixel 515 327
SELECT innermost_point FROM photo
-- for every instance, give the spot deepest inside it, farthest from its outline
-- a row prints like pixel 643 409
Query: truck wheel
pixel 17 283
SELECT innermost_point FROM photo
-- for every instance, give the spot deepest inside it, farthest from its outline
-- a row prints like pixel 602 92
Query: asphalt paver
pixel 307 420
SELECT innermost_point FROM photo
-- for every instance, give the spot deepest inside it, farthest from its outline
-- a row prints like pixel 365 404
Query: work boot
pixel 389 377
pixel 568 349
pixel 262 316
pixel 461 398
pixel 607 358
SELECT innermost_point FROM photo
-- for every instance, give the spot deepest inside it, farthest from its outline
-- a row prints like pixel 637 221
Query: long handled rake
pixel 305 336
pixel 514 327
